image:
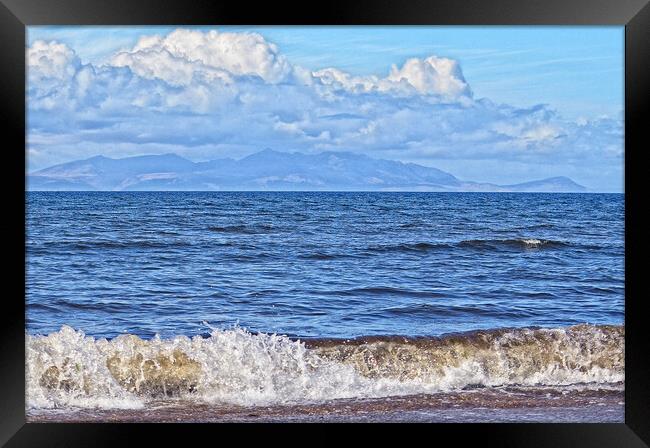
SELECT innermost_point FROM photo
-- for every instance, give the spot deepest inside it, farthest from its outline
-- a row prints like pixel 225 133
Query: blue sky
pixel 494 104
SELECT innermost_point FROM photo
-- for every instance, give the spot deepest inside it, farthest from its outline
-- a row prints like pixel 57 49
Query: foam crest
pixel 562 356
pixel 68 368
pixel 525 243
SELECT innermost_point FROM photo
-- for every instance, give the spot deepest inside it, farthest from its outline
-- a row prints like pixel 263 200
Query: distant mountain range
pixel 267 170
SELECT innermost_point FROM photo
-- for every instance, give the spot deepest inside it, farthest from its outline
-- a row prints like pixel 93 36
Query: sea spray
pixel 68 368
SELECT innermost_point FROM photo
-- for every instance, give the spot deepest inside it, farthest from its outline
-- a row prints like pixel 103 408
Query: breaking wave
pixel 525 243
pixel 68 368
pixel 478 244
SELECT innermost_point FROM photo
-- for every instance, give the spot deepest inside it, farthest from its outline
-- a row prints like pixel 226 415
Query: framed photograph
pixel 395 212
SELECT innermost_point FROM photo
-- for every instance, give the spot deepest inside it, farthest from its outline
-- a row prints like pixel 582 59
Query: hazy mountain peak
pixel 267 169
pixel 98 157
pixel 551 184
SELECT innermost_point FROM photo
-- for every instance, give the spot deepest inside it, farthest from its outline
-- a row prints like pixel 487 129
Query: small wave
pixel 105 244
pixel 411 225
pixel 424 247
pixel 383 291
pixel 409 247
pixel 68 368
pixel 256 257
pixel 242 229
pixel 524 243
pixel 323 256
pixel 438 310
pixel 540 226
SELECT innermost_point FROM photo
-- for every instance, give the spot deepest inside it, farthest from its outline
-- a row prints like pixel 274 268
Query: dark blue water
pixel 321 264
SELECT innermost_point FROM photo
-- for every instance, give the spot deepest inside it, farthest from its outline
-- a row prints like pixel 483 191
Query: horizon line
pixel 323 191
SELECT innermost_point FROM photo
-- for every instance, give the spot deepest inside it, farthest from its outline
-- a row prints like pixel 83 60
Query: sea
pixel 324 306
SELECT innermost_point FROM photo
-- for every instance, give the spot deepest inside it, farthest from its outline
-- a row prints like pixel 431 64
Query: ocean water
pixel 268 298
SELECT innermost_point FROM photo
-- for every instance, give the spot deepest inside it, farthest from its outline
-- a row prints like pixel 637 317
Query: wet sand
pixel 510 404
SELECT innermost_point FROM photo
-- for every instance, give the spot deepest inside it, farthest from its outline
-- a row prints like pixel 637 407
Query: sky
pixel 492 104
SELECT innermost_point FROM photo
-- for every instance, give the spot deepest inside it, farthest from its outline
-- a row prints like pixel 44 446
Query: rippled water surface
pixel 321 264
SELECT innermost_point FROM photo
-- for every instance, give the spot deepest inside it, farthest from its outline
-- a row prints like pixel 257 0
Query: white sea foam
pixel 67 368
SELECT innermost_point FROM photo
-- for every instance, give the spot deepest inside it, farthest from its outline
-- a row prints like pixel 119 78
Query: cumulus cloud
pixel 432 75
pixel 213 94
pixel 184 55
pixel 51 60
pixel 441 77
pixel 52 67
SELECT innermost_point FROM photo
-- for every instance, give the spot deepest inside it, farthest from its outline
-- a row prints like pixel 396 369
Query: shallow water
pixel 515 405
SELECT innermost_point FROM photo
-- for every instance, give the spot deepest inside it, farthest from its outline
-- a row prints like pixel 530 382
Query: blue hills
pixel 266 170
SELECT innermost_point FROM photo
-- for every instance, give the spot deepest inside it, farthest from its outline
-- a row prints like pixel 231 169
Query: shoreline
pixel 484 405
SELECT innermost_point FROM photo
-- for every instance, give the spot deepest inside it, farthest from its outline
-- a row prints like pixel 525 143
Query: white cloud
pixel 431 76
pixel 55 75
pixel 163 65
pixel 51 61
pixel 342 80
pixel 193 90
pixel 184 55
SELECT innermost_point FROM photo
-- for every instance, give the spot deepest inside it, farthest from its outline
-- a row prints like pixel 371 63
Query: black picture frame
pixel 15 15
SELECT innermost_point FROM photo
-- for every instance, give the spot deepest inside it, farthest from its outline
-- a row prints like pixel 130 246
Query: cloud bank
pixel 214 94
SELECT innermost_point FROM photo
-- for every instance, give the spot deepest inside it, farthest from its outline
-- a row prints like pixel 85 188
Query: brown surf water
pixel 502 356
pixel 511 404
pixel 232 369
